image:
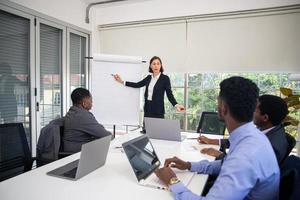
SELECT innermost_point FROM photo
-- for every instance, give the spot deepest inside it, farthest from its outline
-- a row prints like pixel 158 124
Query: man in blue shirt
pixel 268 117
pixel 250 169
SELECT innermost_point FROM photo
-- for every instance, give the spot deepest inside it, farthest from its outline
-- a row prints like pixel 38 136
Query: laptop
pixel 144 162
pixel 211 124
pixel 163 129
pixel 93 155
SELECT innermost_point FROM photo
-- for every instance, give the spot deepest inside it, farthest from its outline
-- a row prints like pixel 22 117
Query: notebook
pixel 144 162
pixel 93 155
pixel 163 129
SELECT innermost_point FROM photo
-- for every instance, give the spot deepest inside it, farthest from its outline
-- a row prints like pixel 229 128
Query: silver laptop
pixel 144 162
pixel 93 155
pixel 163 129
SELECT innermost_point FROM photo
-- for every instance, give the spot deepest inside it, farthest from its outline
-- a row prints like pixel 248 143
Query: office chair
pixel 290 179
pixel 15 155
pixel 62 153
pixel 211 124
pixel 50 143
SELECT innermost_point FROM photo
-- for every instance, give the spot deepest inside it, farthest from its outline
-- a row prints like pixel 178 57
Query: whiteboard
pixel 114 103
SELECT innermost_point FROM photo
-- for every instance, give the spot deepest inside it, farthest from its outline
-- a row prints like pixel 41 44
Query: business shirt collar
pixel 239 133
pixel 267 130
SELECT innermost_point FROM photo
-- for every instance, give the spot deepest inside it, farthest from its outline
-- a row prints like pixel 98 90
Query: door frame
pixel 40 21
pixel 68 73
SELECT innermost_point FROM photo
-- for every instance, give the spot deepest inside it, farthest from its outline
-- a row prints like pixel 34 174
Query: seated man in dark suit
pixel 268 115
pixel 80 125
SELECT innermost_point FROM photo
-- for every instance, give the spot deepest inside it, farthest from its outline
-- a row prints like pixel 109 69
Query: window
pixel 78 51
pixel 14 70
pixel 177 82
pixel 33 67
pixel 202 91
pixel 50 73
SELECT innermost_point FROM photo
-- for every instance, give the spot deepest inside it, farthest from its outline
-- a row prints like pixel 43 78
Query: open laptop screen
pixel 211 124
pixel 141 156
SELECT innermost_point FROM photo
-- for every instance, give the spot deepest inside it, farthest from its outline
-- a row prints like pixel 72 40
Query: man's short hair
pixel 240 94
pixel 273 106
pixel 79 94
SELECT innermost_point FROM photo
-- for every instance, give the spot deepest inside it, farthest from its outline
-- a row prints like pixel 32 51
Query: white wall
pixel 70 11
pixel 156 9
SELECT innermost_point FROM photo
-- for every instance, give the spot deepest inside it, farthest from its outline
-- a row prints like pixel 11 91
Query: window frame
pixel 68 69
pixel 31 73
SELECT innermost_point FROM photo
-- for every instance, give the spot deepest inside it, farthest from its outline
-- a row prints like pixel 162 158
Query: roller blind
pixel 14 61
pixel 50 73
pixel 77 61
pixel 246 43
pixel 14 70
pixel 267 42
pixel 166 40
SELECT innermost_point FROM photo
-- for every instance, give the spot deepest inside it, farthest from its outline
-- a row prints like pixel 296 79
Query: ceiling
pixel 124 2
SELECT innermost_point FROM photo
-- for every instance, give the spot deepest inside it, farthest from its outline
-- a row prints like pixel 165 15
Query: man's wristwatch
pixel 173 180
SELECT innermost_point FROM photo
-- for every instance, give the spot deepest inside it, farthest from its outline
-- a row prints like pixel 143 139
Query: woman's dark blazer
pixel 163 84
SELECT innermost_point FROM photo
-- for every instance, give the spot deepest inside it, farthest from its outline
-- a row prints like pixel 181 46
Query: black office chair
pixel 62 153
pixel 291 144
pixel 211 124
pixel 50 143
pixel 15 155
pixel 290 179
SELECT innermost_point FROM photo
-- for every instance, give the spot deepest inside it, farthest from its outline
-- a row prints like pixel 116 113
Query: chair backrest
pixel 49 142
pixel 290 179
pixel 61 134
pixel 15 155
pixel 211 124
pixel 291 144
pixel 62 153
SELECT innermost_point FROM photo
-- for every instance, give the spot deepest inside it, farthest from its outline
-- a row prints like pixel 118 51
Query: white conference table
pixel 115 180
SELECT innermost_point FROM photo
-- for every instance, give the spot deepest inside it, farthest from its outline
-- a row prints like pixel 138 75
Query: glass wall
pixel 77 61
pixel 50 73
pixel 202 90
pixel 14 70
pixel 37 71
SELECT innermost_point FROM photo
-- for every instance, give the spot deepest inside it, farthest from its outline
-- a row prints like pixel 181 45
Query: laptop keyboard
pixel 71 173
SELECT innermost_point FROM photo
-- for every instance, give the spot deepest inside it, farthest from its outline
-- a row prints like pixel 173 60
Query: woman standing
pixel 156 86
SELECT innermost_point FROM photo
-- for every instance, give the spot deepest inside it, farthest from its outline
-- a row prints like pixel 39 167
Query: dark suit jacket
pixel 277 138
pixel 224 144
pixel 162 85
